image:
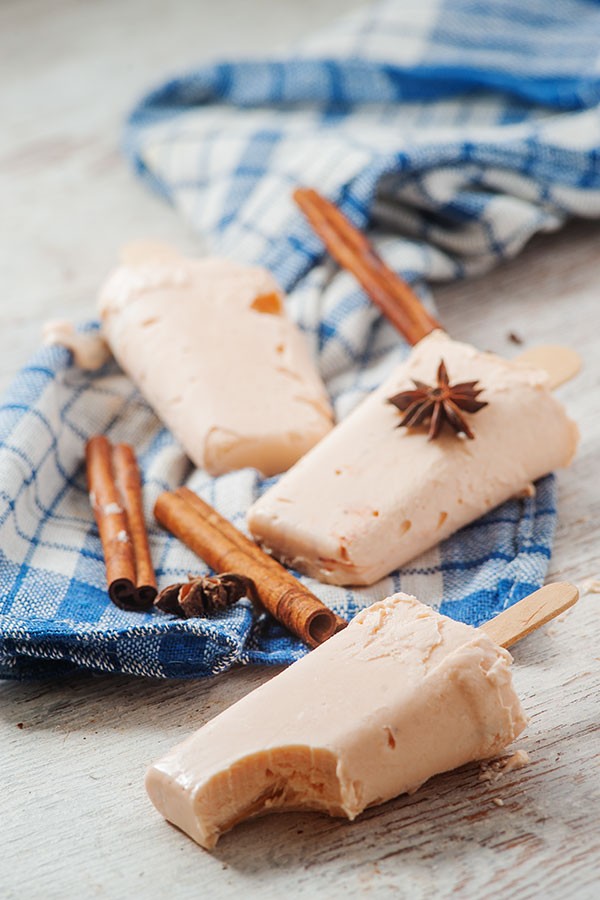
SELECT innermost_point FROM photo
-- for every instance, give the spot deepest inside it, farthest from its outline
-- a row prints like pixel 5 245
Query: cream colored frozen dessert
pixel 372 496
pixel 208 343
pixel 400 695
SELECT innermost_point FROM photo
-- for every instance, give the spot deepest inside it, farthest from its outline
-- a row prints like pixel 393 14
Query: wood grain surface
pixel 75 820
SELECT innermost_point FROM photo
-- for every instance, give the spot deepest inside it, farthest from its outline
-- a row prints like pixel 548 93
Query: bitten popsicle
pixel 208 343
pixel 401 694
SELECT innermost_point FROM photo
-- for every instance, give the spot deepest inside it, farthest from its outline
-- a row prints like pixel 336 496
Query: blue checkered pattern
pixel 459 128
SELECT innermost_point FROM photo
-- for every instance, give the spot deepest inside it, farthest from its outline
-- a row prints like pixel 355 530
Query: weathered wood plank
pixel 75 819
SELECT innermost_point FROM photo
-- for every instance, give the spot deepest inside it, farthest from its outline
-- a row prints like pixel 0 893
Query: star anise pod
pixel 438 404
pixel 204 595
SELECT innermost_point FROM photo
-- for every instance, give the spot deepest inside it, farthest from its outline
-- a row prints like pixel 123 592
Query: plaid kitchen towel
pixel 460 129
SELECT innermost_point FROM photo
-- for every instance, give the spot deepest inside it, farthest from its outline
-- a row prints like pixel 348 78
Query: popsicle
pixel 208 343
pixel 378 491
pixel 372 496
pixel 403 693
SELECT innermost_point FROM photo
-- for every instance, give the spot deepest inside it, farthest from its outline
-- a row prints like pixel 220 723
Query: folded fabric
pixel 460 129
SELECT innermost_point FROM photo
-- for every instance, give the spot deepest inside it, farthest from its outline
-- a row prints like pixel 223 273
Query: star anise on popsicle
pixel 443 402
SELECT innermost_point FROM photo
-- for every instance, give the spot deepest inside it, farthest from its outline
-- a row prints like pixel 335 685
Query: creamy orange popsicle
pixel 401 694
pixel 208 343
pixel 372 496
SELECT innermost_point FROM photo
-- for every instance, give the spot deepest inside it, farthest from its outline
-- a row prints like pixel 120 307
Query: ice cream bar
pixel 372 496
pixel 208 343
pixel 400 695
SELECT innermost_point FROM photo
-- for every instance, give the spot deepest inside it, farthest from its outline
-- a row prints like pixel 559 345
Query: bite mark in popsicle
pixel 427 694
pixel 401 694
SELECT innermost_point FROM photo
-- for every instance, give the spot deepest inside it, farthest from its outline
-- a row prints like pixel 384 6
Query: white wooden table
pixel 75 821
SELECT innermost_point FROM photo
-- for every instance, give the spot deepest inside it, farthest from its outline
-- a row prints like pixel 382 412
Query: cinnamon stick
pixel 280 593
pixel 129 483
pixel 116 496
pixel 239 538
pixel 351 250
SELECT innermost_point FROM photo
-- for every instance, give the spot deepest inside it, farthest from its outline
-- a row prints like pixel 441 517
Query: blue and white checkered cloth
pixel 460 128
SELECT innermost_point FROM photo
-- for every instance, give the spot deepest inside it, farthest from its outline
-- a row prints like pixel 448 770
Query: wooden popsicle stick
pixel 530 613
pixel 352 250
pixel 561 363
pixel 141 252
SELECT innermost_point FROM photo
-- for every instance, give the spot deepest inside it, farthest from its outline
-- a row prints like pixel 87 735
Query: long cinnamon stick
pixel 280 593
pixel 129 483
pixel 351 249
pixel 115 494
pixel 244 543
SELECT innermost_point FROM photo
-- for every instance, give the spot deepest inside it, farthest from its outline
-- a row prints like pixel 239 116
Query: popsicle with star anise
pixel 452 433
